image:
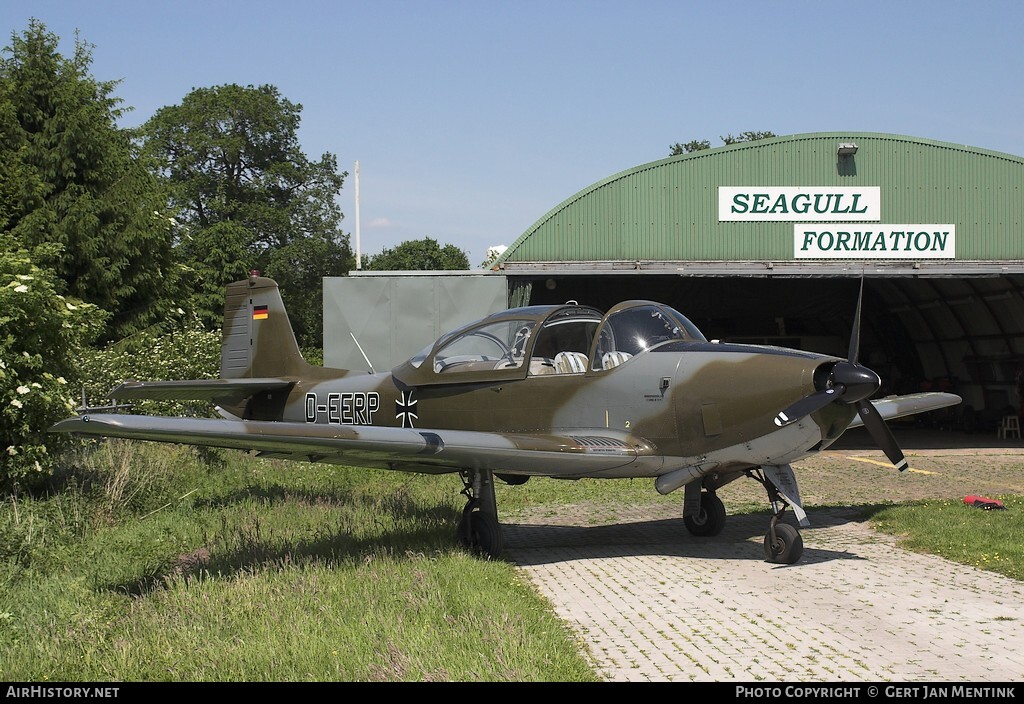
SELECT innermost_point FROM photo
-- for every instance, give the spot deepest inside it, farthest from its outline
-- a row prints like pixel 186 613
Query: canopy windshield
pixel 638 326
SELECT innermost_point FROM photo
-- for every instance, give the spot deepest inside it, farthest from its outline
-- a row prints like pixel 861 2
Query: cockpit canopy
pixel 537 340
pixel 638 326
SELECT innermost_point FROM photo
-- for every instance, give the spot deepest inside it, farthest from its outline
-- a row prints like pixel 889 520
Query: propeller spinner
pixel 850 383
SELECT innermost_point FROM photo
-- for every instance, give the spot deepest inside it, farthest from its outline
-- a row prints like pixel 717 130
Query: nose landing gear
pixel 782 544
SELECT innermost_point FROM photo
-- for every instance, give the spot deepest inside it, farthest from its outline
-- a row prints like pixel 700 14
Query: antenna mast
pixel 359 256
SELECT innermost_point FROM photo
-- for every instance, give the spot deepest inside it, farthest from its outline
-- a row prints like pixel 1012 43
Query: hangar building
pixel 768 241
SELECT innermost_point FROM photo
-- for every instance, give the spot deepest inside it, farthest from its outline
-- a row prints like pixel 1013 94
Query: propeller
pixel 850 383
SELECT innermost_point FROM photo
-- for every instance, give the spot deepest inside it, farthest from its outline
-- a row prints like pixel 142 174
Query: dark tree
pixel 69 176
pixel 419 255
pixel 688 148
pixel 249 198
pixel 699 145
pixel 746 137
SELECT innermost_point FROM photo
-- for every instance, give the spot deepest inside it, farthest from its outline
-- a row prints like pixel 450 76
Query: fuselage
pixel 641 376
pixel 691 399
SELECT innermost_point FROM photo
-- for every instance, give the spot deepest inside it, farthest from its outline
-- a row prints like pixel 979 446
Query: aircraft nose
pixel 859 382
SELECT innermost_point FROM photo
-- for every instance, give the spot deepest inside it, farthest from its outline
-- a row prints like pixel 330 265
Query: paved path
pixel 653 603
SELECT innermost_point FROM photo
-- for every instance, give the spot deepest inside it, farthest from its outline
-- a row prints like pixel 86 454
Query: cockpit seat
pixel 570 363
pixel 614 359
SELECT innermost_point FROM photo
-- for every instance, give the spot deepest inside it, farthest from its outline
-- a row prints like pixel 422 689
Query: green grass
pixel 992 540
pixel 155 567
pixel 156 562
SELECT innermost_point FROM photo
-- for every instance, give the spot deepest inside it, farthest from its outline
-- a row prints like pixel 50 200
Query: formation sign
pixel 836 222
pixel 870 241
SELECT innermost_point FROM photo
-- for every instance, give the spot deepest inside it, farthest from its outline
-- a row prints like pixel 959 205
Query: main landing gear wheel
pixel 478 529
pixel 710 520
pixel 786 547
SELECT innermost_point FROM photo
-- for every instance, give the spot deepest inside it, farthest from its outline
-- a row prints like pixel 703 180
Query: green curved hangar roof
pixel 668 210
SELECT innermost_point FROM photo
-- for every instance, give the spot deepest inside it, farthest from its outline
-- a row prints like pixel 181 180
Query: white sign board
pixel 860 241
pixel 799 203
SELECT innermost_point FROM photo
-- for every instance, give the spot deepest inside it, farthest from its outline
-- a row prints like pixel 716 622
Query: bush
pixel 42 334
pixel 180 350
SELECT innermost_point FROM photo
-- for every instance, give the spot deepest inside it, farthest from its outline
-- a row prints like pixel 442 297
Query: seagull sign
pixel 561 391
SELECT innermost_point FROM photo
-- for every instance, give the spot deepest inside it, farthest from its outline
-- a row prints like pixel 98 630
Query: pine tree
pixel 70 176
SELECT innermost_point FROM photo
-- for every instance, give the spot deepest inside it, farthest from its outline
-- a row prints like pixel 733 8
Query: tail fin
pixel 258 339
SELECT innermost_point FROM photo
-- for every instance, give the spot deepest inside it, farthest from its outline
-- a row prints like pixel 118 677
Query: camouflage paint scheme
pixel 681 410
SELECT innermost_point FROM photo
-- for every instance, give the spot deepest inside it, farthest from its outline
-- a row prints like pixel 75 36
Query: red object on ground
pixel 983 502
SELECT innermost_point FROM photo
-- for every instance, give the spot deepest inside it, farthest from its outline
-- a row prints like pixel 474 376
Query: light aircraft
pixel 559 391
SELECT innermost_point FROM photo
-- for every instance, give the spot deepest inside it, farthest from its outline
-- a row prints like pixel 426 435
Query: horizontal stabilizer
pixel 899 406
pixel 219 390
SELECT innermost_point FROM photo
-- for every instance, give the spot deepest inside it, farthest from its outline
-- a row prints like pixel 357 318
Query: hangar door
pixel 954 333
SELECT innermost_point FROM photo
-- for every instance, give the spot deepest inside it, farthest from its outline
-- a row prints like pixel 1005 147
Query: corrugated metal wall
pixel 668 209
pixel 393 316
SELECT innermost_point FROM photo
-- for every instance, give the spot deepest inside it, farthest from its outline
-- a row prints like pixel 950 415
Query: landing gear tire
pixel 710 520
pixel 787 547
pixel 462 531
pixel 479 531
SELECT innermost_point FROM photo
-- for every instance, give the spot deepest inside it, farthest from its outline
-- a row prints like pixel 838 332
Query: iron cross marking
pixel 405 410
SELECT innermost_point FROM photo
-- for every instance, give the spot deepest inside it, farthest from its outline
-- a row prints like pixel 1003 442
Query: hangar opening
pixel 768 242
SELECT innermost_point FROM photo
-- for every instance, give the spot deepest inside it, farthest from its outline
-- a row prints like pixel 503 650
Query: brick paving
pixel 653 603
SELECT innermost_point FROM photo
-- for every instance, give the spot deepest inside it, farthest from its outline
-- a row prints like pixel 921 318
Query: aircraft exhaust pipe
pixel 667 483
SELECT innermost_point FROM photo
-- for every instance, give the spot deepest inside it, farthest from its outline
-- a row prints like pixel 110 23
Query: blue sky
pixel 470 120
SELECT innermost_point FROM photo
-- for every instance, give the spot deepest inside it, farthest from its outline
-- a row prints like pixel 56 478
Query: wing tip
pixel 68 425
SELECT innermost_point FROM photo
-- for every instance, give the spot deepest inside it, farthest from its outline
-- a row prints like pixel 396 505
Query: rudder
pixel 258 340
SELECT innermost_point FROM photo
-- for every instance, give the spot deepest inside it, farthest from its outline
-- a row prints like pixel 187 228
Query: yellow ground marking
pixel 1000 485
pixel 889 464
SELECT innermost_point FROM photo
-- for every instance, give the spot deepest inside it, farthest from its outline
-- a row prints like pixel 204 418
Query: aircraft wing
pixel 231 390
pixel 575 453
pixel 899 406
